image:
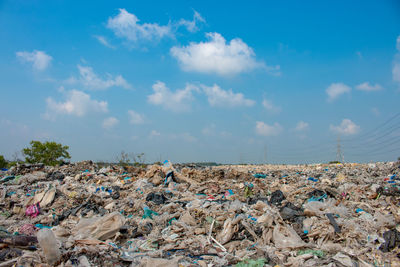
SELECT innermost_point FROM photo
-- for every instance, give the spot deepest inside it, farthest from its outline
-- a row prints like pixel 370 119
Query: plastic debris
pixel 392 240
pixel 259 175
pixel 277 197
pixel 318 253
pixel 148 213
pixel 251 263
pixel 33 210
pixel 191 215
pixel 333 222
pixel 48 243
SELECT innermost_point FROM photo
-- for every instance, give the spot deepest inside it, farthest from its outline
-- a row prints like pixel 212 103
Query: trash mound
pixel 234 215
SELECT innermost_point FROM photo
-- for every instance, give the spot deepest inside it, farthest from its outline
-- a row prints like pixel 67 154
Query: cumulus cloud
pixel 77 103
pixel 103 41
pixel 92 81
pixel 135 118
pixel 369 87
pixel 301 126
pixel 192 25
pixel 126 25
pixel 176 101
pixel 218 97
pixel 39 59
pixel 337 89
pixel 268 130
pixel 109 123
pixel 218 56
pixel 347 127
pixel 268 105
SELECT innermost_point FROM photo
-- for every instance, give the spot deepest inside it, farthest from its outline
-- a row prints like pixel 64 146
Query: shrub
pixel 3 162
pixel 49 153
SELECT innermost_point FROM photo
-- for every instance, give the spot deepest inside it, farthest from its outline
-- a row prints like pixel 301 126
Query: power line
pixel 373 135
pixel 374 129
pixel 370 145
pixel 378 149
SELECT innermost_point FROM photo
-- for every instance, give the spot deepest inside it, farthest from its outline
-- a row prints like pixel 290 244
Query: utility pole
pixel 339 155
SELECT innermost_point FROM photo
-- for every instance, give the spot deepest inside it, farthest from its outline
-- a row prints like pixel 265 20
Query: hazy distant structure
pixel 339 154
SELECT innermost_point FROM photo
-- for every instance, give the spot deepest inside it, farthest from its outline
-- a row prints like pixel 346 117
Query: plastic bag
pixel 343 259
pixel 321 208
pixel 230 228
pixel 286 237
pixel 99 228
pixel 49 244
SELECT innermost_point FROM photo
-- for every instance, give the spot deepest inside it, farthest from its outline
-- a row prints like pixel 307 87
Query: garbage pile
pixel 233 215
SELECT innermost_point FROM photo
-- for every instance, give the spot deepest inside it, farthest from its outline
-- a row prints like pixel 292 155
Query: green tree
pixel 49 153
pixel 3 162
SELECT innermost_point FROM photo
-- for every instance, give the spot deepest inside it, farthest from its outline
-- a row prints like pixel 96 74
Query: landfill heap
pixel 233 215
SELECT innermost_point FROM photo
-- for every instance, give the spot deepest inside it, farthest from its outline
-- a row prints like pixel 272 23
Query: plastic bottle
pixel 49 244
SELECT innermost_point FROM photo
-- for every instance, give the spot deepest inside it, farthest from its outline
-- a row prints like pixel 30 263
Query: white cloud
pixel 176 101
pixel 126 25
pixel 191 25
pixel 337 89
pixel 77 103
pixel 347 127
pixel 268 130
pixel 154 133
pixel 135 118
pixel 39 59
pixel 218 97
pixel 92 81
pixel 110 122
pixel 359 54
pixel 217 56
pixel 268 105
pixel 369 87
pixel 301 126
pixel 103 41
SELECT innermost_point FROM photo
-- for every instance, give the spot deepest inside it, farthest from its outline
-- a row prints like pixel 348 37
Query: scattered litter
pixel 83 214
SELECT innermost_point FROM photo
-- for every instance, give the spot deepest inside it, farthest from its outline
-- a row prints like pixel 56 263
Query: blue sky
pixel 275 81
